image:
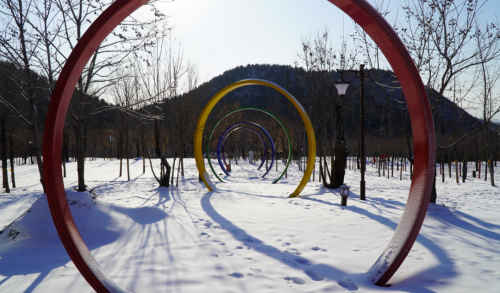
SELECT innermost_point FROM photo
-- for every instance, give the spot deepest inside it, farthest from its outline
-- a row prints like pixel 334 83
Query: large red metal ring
pixel 364 15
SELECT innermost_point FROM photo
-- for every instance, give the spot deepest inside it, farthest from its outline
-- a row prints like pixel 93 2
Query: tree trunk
pixel 12 175
pixel 392 167
pixel 464 171
pixel 80 141
pixel 492 173
pixel 4 157
pixel 65 156
pixel 401 170
pixel 411 168
pixel 173 169
pixel 143 152
pixel 120 153
pixel 178 171
pixel 320 169
pixel 182 159
pixel 127 147
pixel 157 139
pixel 433 193
pixel 165 178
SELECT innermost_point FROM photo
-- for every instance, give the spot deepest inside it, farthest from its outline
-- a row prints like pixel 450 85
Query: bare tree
pixel 449 46
pixel 447 41
pixel 18 46
pixel 159 76
pixel 129 37
pixel 123 92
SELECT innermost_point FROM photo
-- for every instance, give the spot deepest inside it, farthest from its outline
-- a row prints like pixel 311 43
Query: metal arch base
pixel 219 144
pixel 198 137
pixel 364 15
pixel 270 114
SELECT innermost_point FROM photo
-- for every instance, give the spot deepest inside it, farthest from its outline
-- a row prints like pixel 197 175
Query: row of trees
pixel 454 48
pixel 157 95
pixel 36 38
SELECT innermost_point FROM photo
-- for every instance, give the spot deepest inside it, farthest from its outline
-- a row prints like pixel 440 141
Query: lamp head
pixel 344 190
pixel 341 86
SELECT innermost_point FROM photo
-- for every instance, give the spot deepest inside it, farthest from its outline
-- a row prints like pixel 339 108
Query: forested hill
pixel 259 96
pixel 14 106
pixel 249 95
pixel 451 117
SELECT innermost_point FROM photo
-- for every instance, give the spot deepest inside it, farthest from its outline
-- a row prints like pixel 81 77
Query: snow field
pixel 248 236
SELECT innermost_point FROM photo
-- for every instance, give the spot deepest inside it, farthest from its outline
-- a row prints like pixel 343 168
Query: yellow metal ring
pixel 200 126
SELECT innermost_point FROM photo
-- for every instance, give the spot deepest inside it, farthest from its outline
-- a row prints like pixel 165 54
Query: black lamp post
pixel 341 86
pixel 361 74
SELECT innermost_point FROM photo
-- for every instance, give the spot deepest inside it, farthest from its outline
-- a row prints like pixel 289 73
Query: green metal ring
pixel 258 109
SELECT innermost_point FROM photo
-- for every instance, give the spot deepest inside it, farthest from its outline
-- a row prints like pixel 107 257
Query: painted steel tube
pixel 268 113
pixel 364 15
pixel 200 126
pixel 253 124
pixel 382 33
pixel 240 128
pixel 52 141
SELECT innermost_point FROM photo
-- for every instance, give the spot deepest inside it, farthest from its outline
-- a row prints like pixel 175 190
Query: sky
pixel 222 34
pixel 219 35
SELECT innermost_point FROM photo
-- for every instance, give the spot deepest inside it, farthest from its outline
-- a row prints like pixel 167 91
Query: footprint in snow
pixel 205 235
pixel 236 275
pixel 292 251
pixel 315 248
pixel 296 280
pixel 302 261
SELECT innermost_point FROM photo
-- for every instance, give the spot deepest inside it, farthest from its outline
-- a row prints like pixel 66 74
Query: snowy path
pixel 249 237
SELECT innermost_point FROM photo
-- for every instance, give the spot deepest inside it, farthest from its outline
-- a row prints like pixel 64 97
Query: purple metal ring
pixel 250 123
pixel 234 130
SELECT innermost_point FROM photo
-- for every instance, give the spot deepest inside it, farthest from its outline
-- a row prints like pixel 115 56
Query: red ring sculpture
pixel 365 16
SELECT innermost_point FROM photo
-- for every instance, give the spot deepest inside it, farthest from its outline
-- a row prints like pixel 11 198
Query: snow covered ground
pixel 248 237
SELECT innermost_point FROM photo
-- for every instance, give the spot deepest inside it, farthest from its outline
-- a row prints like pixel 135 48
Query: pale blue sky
pixel 222 34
